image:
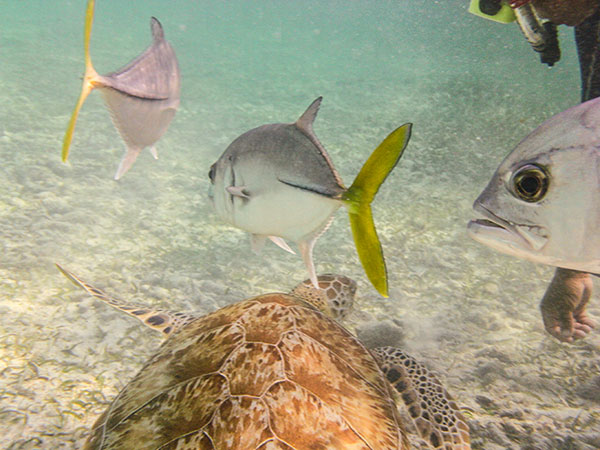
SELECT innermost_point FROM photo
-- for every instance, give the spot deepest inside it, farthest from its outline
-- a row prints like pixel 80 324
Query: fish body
pixel 276 166
pixel 543 202
pixel 277 181
pixel 142 97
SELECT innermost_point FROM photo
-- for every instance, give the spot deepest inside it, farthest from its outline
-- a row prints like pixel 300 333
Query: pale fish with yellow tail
pixel 278 182
pixel 142 97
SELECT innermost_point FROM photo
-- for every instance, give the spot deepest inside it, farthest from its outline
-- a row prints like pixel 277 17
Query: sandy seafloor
pixel 472 88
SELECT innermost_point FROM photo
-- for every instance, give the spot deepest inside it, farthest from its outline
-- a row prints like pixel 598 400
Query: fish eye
pixel 211 172
pixel 530 183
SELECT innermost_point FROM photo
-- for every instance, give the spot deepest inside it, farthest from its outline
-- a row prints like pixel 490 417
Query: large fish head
pixel 543 202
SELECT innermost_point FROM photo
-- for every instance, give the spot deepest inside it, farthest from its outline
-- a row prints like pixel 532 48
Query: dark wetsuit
pixel 587 36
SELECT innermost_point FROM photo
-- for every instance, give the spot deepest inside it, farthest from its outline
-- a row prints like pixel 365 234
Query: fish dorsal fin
pixel 153 75
pixel 157 30
pixel 166 322
pixel 305 122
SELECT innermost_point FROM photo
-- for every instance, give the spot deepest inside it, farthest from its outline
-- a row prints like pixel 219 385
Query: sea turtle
pixel 273 372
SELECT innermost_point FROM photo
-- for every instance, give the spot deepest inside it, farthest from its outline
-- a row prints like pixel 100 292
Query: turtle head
pixel 334 297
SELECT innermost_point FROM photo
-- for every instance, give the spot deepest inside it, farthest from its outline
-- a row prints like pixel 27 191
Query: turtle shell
pixel 267 373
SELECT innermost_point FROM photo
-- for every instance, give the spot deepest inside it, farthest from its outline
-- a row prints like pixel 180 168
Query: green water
pixel 472 89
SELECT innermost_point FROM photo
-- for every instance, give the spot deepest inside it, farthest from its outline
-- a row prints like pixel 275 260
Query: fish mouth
pixel 506 236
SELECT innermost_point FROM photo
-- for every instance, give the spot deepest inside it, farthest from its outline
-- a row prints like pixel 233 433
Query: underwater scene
pixel 472 90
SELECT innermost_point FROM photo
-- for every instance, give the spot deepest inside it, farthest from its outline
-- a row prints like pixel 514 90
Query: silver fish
pixel 278 182
pixel 142 97
pixel 543 202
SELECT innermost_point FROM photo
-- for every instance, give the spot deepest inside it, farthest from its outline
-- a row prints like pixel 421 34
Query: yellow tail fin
pixel 90 79
pixel 359 197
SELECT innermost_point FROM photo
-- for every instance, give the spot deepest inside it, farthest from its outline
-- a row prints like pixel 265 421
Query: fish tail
pixel 359 196
pixel 90 80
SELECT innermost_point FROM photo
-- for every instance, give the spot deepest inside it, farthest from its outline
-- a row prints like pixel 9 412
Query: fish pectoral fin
pixel 258 242
pixel 154 152
pixel 127 161
pixel 280 242
pixel 238 191
pixel 306 249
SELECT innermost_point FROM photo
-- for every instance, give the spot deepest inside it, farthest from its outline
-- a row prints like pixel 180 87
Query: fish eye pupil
pixel 211 173
pixel 530 183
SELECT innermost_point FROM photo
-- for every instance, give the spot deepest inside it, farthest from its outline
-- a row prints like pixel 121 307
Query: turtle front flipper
pixel 434 413
pixel 166 322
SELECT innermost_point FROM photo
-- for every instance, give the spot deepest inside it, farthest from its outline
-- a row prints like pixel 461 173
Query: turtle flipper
pixel 160 320
pixel 440 423
pixel 334 297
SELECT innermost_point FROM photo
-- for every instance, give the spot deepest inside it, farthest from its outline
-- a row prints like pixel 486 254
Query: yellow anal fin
pixel 90 79
pixel 359 197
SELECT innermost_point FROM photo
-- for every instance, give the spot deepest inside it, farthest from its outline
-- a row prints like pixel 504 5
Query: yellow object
pixel 90 79
pixel 505 15
pixel 359 197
